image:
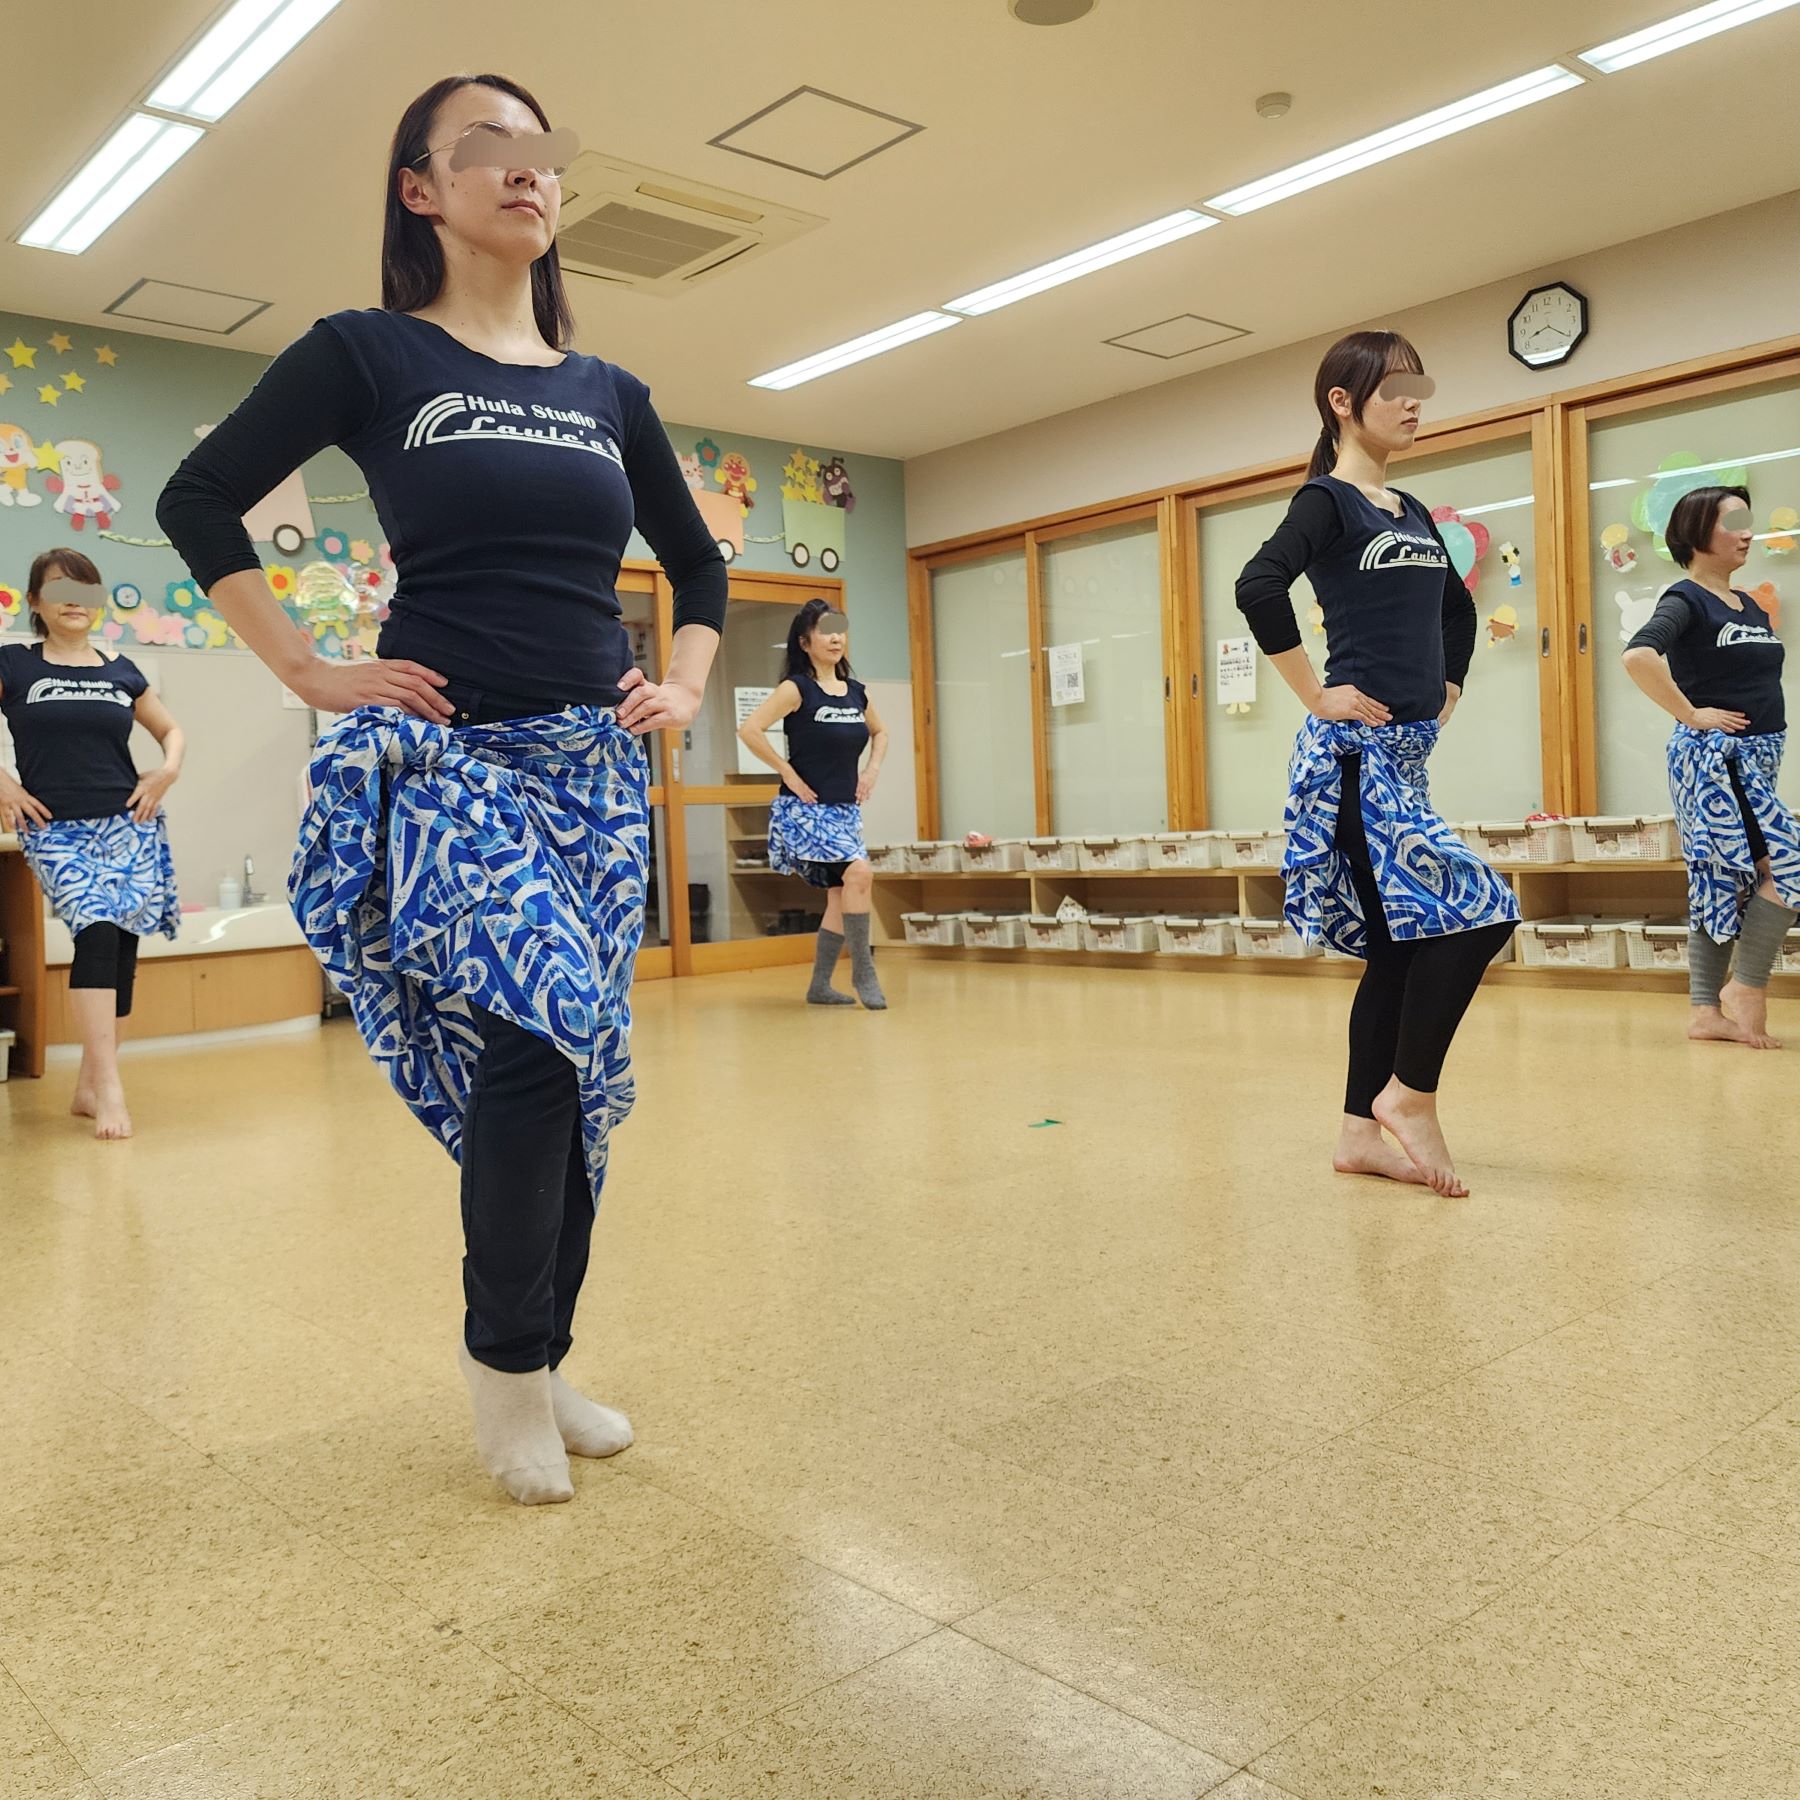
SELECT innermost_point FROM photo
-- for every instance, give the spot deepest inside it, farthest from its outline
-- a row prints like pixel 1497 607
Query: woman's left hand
pixel 655 705
pixel 146 798
pixel 865 784
pixel 1452 694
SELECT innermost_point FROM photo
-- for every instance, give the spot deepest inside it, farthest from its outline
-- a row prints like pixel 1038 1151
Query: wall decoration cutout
pixel 83 489
pixel 692 474
pixel 1784 521
pixel 1768 597
pixel 333 543
pixel 1502 623
pixel 24 356
pixel 725 520
pixel 1634 613
pixel 733 475
pixel 1677 475
pixel 49 394
pixel 1513 559
pixel 1466 542
pixel 127 596
pixel 1315 617
pixel 836 480
pixel 800 479
pixel 18 462
pixel 812 529
pixel 1615 542
pixel 708 453
pixel 10 602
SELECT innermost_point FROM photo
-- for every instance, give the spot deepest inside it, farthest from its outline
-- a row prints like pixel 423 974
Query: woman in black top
pixel 1369 865
pixel 815 828
pixel 1709 656
pixel 473 865
pixel 90 825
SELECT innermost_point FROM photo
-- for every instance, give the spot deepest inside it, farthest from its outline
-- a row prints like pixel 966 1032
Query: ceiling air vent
pixel 657 233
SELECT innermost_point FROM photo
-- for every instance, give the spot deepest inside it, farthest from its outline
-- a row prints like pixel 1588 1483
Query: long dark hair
pixel 799 661
pixel 412 260
pixel 71 565
pixel 1694 519
pixel 1358 364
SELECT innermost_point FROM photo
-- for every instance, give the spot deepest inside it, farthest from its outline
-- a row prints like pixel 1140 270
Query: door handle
pixel 1194 687
pixel 1581 638
pixel 1166 689
pixel 1544 649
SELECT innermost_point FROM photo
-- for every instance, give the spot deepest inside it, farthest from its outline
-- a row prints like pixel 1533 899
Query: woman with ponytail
pixel 1370 867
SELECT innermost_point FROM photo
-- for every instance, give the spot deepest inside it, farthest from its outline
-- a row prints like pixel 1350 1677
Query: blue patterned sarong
pixel 110 871
pixel 502 866
pixel 805 835
pixel 1431 882
pixel 1721 874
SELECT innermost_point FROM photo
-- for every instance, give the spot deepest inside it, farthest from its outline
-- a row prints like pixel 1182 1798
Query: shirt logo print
pixel 1401 550
pixel 457 418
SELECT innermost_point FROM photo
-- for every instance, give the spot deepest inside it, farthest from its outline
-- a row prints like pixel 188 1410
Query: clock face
pixel 1546 326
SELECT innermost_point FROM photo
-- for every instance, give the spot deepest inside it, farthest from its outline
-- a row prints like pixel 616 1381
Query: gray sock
pixel 822 993
pixel 1707 966
pixel 1766 923
pixel 862 962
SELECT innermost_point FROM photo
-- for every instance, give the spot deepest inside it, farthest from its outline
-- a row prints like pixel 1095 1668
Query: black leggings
pixel 106 957
pixel 527 1211
pixel 1412 995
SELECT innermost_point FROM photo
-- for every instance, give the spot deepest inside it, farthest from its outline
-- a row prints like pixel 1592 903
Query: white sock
pixel 515 1431
pixel 587 1427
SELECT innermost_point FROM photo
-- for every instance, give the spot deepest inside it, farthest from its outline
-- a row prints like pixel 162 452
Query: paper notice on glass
pixel 748 700
pixel 1068 687
pixel 1236 672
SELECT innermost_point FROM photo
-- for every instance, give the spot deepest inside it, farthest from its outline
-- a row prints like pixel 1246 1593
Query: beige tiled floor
pixel 1136 1456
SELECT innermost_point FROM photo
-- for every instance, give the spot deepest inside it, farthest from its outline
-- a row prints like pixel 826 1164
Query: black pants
pixel 527 1211
pixel 1759 845
pixel 1412 995
pixel 106 957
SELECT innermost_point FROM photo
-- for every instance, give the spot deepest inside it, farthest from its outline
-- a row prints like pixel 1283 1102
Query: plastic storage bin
pixel 1573 943
pixel 888 859
pixel 1052 853
pixel 1788 962
pixel 993 931
pixel 1043 931
pixel 1656 946
pixel 6 1044
pixel 1108 932
pixel 1271 938
pixel 1001 856
pixel 1527 841
pixel 1183 850
pixel 934 859
pixel 1652 839
pixel 1199 937
pixel 1114 853
pixel 1249 849
pixel 942 931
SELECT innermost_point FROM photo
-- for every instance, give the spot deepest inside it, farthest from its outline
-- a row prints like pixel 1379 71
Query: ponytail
pixel 1324 456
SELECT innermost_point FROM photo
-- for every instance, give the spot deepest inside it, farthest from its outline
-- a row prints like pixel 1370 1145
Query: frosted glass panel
pixel 981 648
pixel 1246 753
pixel 1753 440
pixel 1103 595
pixel 1488 764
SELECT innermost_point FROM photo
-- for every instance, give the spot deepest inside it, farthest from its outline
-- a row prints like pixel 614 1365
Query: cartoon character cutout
pixel 1502 623
pixel 84 490
pixel 1466 541
pixel 18 457
pixel 733 475
pixel 1615 541
pixel 691 471
pixel 1784 522
pixel 1634 613
pixel 835 479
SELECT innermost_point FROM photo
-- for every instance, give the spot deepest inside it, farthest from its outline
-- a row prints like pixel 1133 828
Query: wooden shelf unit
pixel 1656 891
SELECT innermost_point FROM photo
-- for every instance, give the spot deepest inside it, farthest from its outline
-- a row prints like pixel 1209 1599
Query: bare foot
pixel 1362 1150
pixel 111 1120
pixel 82 1106
pixel 1710 1026
pixel 1748 1008
pixel 1412 1119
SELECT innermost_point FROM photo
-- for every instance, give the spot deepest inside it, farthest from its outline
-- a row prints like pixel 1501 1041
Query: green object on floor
pixel 1039 1126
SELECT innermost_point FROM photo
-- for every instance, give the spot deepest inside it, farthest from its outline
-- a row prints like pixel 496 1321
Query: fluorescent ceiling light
pixel 841 356
pixel 1082 262
pixel 235 55
pixel 1490 103
pixel 140 151
pixel 1676 33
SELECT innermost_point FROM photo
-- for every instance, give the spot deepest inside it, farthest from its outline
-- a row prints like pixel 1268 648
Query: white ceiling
pixel 1036 142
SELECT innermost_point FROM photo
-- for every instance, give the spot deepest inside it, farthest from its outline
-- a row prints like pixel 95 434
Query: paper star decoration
pixel 108 355
pixel 47 457
pixel 60 343
pixel 24 356
pixel 73 382
pixel 49 395
pixel 5 384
